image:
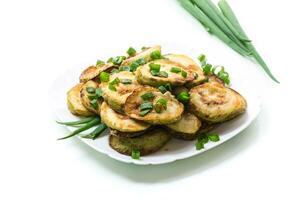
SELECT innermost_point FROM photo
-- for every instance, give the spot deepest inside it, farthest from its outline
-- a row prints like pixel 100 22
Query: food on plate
pixel 93 72
pixel 148 104
pixel 147 143
pixel 163 71
pixel 74 102
pixel 145 98
pixel 91 96
pixel 121 122
pixel 118 87
pixel 215 103
pixel 185 128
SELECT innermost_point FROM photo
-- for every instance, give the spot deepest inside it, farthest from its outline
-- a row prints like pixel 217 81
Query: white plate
pixel 175 149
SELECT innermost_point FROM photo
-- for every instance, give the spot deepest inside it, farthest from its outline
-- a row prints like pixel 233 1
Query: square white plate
pixel 175 149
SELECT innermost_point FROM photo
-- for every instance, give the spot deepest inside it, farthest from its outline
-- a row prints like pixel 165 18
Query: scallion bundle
pixel 223 23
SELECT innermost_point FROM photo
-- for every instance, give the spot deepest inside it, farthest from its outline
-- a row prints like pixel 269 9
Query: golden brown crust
pixel 93 71
pixel 171 114
pixel 74 101
pixel 214 103
pixel 121 122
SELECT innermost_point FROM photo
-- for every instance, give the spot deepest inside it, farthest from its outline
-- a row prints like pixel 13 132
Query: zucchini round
pixel 86 101
pixel 186 128
pixel 216 103
pixel 93 71
pixel 171 114
pixel 74 101
pixel 189 64
pixel 116 99
pixel 145 77
pixel 121 122
pixel 147 143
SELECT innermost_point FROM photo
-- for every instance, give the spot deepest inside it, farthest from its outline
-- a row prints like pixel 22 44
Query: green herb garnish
pixel 154 67
pixel 183 74
pixel 213 137
pixel 135 64
pixel 183 97
pixel 155 55
pixel 199 145
pixel 98 92
pixel 104 77
pixel 131 51
pixel 112 87
pixel 118 60
pixel 90 90
pixel 146 106
pixel 160 105
pixel 162 89
pixel 94 104
pixel 144 112
pixel 135 154
pixel 202 59
pixel 78 122
pixel 207 69
pixel 175 70
pixel 100 62
pixel 147 96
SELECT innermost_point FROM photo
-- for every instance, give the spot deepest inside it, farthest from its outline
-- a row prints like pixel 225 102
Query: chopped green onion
pixel 162 89
pixel 202 59
pixel 146 106
pixel 135 154
pixel 124 68
pixel 104 77
pixel 112 87
pixel 154 73
pixel 184 74
pixel 155 55
pixel 183 97
pixel 116 81
pixel 92 96
pixel 110 60
pixel 144 112
pixel 199 145
pixel 90 90
pixel 131 51
pixel 213 137
pixel 207 69
pixel 118 60
pixel 147 96
pixel 154 67
pixel 94 103
pixel 163 74
pixel 126 81
pixel 203 138
pixel 100 62
pixel 160 105
pixel 98 92
pixel 135 64
pixel 95 133
pixel 175 70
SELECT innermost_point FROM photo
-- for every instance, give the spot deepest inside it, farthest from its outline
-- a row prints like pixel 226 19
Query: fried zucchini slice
pixel 216 103
pixel 146 144
pixel 127 134
pixel 145 54
pixel 93 71
pixel 206 127
pixel 86 97
pixel 116 99
pixel 172 113
pixel 121 122
pixel 74 101
pixel 189 64
pixel 145 77
pixel 186 128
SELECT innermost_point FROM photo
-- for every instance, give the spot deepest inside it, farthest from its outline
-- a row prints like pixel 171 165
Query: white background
pixel 39 40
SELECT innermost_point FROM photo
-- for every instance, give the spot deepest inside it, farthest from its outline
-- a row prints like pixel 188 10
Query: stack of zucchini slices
pixel 147 98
